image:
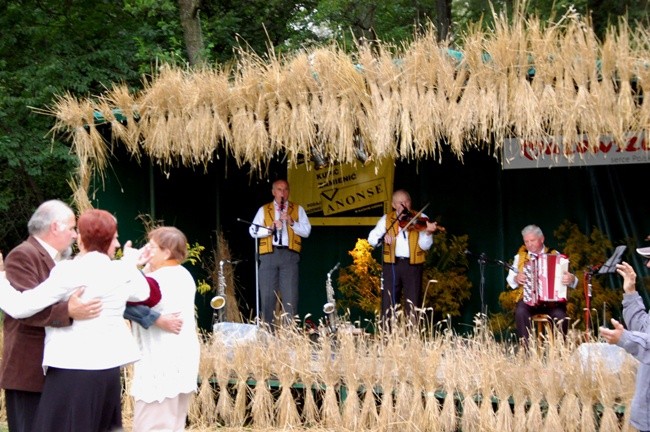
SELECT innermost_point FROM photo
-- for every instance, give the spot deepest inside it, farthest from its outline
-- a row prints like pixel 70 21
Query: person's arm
pixel 141 312
pixel 302 226
pixel 634 312
pixel 26 267
pixel 141 315
pixel 425 237
pixel 635 343
pixel 171 323
pixel 511 279
pixel 570 280
pixel 377 233
pixel 256 230
pixel 22 304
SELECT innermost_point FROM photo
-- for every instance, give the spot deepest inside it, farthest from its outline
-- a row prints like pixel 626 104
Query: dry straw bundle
pixel 412 380
pixel 523 77
pixel 408 380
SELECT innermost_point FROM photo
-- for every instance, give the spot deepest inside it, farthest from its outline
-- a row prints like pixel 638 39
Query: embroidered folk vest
pixel 295 241
pixel 417 255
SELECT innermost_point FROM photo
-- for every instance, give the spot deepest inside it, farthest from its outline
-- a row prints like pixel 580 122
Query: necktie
pixel 278 233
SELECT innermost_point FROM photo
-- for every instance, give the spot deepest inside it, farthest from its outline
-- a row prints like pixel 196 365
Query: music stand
pixel 608 268
pixel 616 258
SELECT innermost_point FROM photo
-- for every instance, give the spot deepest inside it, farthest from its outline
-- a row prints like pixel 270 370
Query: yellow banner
pixel 343 194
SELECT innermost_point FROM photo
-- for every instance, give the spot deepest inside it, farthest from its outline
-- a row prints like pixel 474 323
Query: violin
pixel 419 224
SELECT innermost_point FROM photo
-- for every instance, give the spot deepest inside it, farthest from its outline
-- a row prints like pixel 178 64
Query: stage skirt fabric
pixel 80 400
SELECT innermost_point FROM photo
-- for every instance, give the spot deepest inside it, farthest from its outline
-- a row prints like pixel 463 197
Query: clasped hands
pixel 284 218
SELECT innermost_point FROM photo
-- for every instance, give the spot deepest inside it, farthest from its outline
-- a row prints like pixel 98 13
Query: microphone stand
pixel 257 270
pixel 483 260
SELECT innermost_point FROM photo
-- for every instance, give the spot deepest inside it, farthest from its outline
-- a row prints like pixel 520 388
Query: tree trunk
pixel 443 18
pixel 191 23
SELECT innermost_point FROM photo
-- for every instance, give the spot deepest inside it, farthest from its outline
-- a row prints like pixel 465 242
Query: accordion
pixel 546 279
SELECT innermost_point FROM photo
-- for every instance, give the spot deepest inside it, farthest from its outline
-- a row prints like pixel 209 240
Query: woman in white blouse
pixel 82 390
pixel 166 376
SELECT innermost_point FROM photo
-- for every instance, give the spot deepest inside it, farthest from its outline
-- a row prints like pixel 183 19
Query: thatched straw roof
pixel 523 78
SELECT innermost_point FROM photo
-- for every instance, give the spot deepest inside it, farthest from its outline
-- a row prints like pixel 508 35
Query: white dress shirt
pixel 425 240
pixel 302 227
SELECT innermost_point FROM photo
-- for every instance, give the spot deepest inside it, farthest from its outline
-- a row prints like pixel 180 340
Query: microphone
pixel 508 266
pixel 334 269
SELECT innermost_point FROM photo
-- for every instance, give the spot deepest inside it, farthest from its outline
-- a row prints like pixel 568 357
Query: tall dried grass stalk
pixel 262 406
pixel 351 379
pixel 203 410
pixel 242 367
pixel 330 377
pixel 225 405
pixel 284 367
pixel 402 372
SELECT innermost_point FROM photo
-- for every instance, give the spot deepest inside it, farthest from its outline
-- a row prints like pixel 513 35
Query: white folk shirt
pixel 170 362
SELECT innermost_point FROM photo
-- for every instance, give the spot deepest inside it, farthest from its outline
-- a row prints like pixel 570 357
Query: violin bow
pixel 413 219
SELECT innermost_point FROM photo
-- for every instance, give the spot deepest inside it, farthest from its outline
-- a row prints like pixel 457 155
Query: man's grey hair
pixel 48 212
pixel 532 229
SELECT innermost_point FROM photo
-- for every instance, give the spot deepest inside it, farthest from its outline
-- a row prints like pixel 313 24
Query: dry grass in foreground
pixel 412 379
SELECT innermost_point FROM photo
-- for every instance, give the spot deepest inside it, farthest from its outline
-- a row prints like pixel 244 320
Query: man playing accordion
pixel 543 282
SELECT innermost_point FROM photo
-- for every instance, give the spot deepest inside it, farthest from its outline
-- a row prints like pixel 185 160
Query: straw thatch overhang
pixel 539 80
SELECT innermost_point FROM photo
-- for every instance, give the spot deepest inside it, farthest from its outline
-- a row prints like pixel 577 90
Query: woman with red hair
pixel 82 362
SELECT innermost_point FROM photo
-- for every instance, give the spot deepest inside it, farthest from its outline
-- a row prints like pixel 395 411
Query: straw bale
pixel 262 405
pixel 242 369
pixel 224 409
pixel 369 359
pixel 120 98
pixel 203 407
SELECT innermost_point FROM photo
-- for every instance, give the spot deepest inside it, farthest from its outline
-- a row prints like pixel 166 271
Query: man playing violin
pixel 406 237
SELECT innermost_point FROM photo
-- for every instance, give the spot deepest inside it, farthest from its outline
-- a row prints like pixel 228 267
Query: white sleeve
pixel 23 304
pixel 302 227
pixel 138 286
pixel 425 239
pixel 255 230
pixel 377 232
pixel 511 278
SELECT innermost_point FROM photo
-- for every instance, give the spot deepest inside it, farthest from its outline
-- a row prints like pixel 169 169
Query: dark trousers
pixel 524 313
pixel 401 278
pixel 278 276
pixel 21 409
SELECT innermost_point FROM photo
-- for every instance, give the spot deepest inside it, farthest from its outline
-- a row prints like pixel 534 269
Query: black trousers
pixel 21 409
pixel 401 278
pixel 524 313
